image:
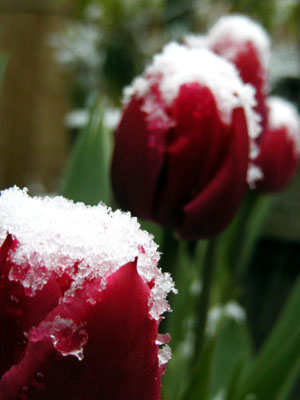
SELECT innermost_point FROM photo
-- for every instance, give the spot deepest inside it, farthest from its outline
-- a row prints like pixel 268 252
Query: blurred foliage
pixel 130 32
pixel 263 11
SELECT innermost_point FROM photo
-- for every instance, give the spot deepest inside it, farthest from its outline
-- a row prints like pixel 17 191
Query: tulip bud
pixel 81 298
pixel 182 145
pixel 247 45
pixel 279 146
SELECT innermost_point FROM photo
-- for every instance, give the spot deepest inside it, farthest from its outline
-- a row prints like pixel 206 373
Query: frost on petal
pixel 240 29
pixel 164 355
pixel 282 114
pixel 116 337
pixel 178 65
pixel 77 243
pixel 102 297
pixel 254 174
pixel 67 337
pixel 279 146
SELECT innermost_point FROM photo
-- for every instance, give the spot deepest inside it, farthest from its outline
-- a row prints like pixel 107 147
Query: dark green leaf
pixel 180 324
pixel 272 373
pixel 232 346
pixel 197 387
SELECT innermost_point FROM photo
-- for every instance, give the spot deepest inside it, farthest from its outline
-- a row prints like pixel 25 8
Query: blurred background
pixel 57 57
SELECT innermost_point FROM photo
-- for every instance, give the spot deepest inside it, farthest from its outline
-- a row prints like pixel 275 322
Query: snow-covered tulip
pixel 81 298
pixel 279 146
pixel 247 45
pixel 182 145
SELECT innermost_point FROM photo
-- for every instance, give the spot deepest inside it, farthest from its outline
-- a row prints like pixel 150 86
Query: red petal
pixel 120 355
pixel 216 204
pixel 138 158
pixel 19 312
pixel 196 148
pixel 277 159
pixel 248 63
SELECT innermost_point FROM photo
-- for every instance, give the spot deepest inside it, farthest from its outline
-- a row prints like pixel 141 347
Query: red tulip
pixel 244 43
pixel 181 148
pixel 279 146
pixel 80 303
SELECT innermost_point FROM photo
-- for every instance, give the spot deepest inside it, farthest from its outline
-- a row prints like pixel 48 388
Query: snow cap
pixel 54 233
pixel 178 65
pixel 284 114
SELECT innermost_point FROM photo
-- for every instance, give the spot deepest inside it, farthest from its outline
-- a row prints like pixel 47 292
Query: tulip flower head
pixel 182 146
pixel 247 45
pixel 81 298
pixel 279 146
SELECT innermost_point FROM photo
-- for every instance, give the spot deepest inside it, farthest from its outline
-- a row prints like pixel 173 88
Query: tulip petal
pixel 120 355
pixel 138 159
pixel 248 63
pixel 213 208
pixel 277 159
pixel 196 147
pixel 279 146
pixel 18 311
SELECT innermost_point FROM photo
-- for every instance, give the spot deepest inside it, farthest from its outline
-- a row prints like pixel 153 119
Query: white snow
pixel 55 233
pixel 178 65
pixel 254 174
pixel 195 41
pixel 283 114
pixel 164 355
pixel 240 29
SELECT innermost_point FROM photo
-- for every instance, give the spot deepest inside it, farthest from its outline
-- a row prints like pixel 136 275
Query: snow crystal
pixel 196 41
pixel 67 337
pixel 162 338
pixel 54 234
pixel 240 29
pixel 283 114
pixel 164 355
pixel 254 174
pixel 178 65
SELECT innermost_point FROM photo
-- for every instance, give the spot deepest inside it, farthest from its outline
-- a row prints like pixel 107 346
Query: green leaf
pixel 272 373
pixel 180 324
pixel 232 349
pixel 233 383
pixel 186 281
pixel 245 230
pixel 177 373
pixel 197 387
pixel 225 355
pixel 86 176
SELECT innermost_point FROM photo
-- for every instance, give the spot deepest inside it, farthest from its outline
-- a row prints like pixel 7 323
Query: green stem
pixel 238 251
pixel 240 239
pixel 168 263
pixel 169 255
pixel 204 298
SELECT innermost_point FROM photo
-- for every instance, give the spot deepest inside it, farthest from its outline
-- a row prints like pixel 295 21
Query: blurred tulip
pixel 246 44
pixel 80 303
pixel 182 145
pixel 279 146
